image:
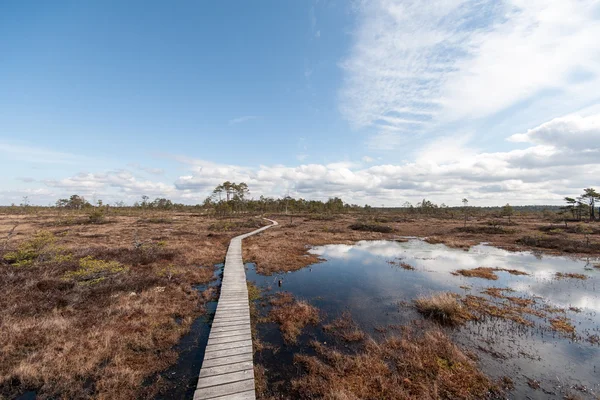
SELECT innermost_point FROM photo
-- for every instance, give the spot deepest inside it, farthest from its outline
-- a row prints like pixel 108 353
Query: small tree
pixel 507 211
pixel 465 204
pixel 590 195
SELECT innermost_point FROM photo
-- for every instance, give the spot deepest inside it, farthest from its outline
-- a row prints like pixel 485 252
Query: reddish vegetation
pixel 562 324
pixel 479 272
pixel 94 310
pixel 443 307
pixel 414 366
pixel 345 328
pixel 292 315
pixel 486 272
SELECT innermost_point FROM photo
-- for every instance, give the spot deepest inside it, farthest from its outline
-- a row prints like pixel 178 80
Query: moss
pixel 254 292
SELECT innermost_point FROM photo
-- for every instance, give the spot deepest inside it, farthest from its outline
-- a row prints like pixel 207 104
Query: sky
pixel 378 102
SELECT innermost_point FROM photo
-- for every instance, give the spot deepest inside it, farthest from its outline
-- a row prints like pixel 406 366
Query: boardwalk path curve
pixel 227 370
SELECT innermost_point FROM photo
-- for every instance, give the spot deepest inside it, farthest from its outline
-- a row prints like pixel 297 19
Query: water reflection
pixel 359 278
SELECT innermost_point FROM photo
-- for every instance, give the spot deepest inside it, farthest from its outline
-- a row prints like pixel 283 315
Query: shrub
pixel 37 249
pixel 96 216
pixel 362 226
pixel 92 271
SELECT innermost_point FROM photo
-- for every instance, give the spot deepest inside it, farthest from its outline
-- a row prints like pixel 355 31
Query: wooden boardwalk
pixel 227 371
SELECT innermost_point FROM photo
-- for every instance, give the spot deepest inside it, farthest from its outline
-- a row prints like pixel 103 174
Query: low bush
pixel 38 249
pixel 560 243
pixel 368 227
pixel 486 229
pixel 93 271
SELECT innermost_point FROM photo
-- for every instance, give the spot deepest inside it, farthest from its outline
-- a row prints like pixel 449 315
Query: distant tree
pixel 162 204
pixel 507 211
pixel 465 204
pixel 75 202
pixel 591 195
pixel 25 201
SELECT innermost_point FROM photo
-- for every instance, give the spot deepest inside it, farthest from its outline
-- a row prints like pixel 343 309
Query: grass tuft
pixel 570 275
pixel 443 307
pixel 292 315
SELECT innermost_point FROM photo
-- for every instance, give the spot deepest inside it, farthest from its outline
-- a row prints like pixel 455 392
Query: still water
pixel 361 280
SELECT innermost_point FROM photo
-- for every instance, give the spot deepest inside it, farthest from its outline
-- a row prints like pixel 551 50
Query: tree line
pixel 231 198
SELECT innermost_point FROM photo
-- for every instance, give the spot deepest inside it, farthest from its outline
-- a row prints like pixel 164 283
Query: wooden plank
pixel 226 339
pixel 209 355
pixel 227 368
pixel 216 362
pixel 207 381
pixel 233 332
pixel 229 345
pixel 225 389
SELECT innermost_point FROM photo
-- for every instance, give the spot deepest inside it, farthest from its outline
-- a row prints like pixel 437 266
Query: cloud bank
pixel 560 158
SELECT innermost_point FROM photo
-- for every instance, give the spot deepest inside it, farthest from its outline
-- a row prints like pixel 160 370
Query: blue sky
pixel 378 102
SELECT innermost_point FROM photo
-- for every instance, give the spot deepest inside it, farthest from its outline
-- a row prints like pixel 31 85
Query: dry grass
pixel 292 315
pixel 345 328
pixel 486 272
pixel 407 266
pixel 443 307
pixel 570 275
pixel 515 309
pixel 415 366
pixel 562 324
pixel 479 272
pixel 96 311
pixel 450 242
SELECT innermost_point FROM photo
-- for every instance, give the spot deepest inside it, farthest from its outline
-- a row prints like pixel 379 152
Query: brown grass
pixel 407 266
pixel 499 293
pixel 570 275
pixel 479 272
pixel 450 242
pixel 562 324
pixel 101 328
pixel 345 328
pixel 443 307
pixel 415 366
pixel 292 315
pixel 486 272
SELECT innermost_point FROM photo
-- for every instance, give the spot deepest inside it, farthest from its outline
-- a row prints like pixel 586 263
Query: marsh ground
pixel 97 309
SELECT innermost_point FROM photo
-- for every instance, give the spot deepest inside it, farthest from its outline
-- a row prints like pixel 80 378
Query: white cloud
pixel 556 163
pixel 33 154
pixel 150 170
pixel 416 65
pixel 239 120
pixel 571 132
